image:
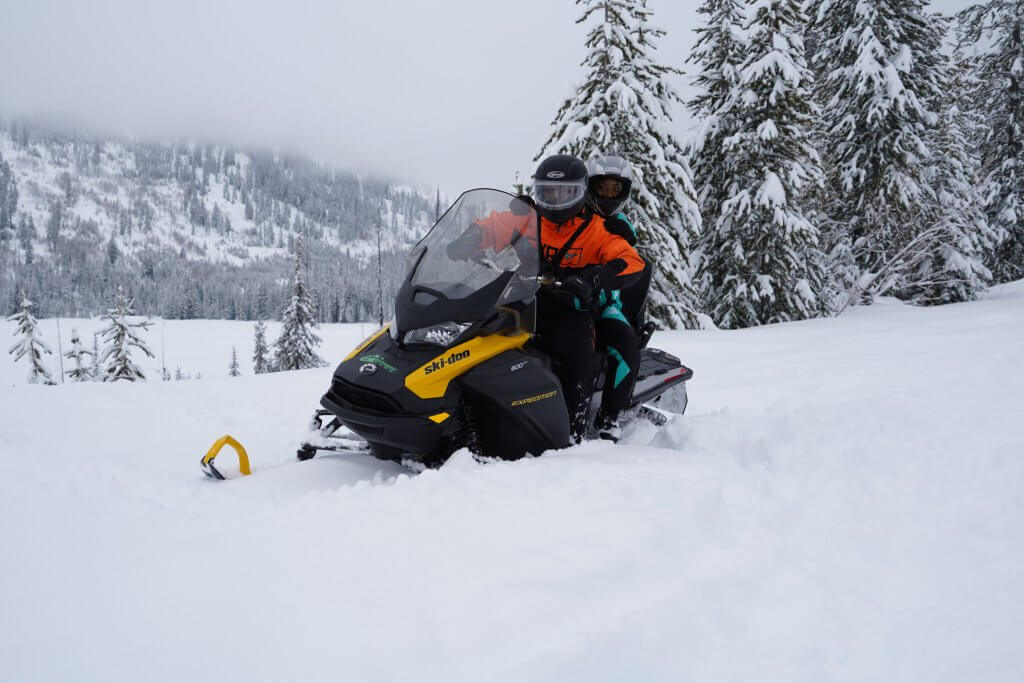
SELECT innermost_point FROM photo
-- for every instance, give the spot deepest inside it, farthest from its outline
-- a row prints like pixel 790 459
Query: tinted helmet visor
pixel 558 195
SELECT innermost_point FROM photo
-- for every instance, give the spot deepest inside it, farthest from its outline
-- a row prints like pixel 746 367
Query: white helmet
pixel 609 180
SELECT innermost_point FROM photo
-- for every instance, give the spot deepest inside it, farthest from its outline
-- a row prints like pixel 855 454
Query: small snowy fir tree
pixel 295 349
pixel 718 54
pixel 82 372
pixel 761 262
pixel 30 345
pixel 260 363
pixel 624 107
pixel 876 73
pixel 233 367
pixel 995 32
pixel 96 369
pixel 119 337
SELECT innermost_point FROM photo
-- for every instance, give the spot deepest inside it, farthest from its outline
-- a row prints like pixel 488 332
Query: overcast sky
pixel 456 93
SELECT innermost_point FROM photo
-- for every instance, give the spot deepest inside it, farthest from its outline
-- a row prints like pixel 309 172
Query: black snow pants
pixel 634 298
pixel 617 338
pixel 567 335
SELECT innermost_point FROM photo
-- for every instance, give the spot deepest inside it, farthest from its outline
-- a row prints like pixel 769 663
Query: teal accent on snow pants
pixel 616 336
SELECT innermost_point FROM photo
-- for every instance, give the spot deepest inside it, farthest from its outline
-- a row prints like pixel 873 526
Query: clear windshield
pixel 485 234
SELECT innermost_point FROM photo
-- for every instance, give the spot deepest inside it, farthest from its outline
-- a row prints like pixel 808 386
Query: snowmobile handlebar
pixel 548 280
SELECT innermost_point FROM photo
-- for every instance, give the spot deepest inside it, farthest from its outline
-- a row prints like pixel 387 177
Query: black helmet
pixel 608 186
pixel 560 187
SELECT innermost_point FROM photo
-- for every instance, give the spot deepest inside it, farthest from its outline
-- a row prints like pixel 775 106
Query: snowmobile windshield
pixel 484 235
pixel 482 253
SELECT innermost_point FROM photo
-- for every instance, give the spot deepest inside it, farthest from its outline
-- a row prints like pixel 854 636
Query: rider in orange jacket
pixel 580 253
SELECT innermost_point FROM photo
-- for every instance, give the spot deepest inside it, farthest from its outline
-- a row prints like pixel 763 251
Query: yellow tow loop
pixel 207 461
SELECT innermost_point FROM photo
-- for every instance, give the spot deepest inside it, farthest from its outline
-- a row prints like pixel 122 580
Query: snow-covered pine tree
pixel 260 362
pixel 119 337
pixel 82 372
pixel 30 344
pixel 718 54
pixel 8 199
pixel 875 69
pixel 295 349
pixel 380 268
pixel 761 261
pixel 233 367
pixel 624 107
pixel 995 31
pixel 946 262
pixel 96 369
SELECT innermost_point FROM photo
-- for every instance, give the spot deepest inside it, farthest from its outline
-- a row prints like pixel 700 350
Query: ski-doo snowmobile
pixel 458 367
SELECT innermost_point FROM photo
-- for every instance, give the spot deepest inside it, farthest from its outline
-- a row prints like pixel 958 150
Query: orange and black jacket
pixel 591 246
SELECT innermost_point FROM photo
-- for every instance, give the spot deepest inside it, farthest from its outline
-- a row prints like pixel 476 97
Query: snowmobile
pixel 459 365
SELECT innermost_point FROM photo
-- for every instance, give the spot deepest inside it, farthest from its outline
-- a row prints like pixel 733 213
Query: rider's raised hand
pixel 522 205
pixel 466 245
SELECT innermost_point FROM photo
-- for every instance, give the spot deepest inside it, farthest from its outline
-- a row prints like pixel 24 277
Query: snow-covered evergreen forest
pixel 842 150
pixel 191 230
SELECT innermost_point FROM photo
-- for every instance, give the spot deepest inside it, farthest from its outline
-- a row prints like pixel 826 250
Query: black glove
pixel 466 245
pixel 582 287
pixel 524 206
pixel 616 225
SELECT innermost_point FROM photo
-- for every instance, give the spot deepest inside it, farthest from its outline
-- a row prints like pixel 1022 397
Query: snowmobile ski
pixel 206 462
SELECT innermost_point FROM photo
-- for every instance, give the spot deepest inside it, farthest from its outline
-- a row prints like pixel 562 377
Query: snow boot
pixel 607 425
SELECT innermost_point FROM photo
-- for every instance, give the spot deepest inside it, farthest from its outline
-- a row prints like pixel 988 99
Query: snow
pixel 771 192
pixel 844 501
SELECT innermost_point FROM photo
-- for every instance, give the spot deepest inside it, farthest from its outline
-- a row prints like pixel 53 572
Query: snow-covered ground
pixel 843 502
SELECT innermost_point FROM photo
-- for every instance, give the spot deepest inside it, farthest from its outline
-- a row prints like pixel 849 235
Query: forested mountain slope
pixel 191 230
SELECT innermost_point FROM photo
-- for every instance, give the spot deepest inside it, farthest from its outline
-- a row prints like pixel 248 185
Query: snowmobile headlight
pixel 442 334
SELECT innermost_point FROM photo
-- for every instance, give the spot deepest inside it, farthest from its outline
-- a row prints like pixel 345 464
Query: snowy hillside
pixel 843 502
pixel 191 230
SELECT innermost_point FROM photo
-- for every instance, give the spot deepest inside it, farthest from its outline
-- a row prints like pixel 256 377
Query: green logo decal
pixel 379 361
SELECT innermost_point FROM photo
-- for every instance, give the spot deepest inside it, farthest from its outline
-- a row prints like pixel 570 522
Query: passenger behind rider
pixel 578 251
pixel 610 180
